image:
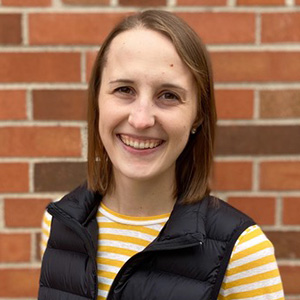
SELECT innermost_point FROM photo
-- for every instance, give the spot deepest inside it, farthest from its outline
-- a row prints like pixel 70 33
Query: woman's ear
pixel 196 125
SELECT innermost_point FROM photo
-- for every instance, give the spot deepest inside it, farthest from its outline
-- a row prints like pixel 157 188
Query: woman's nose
pixel 141 116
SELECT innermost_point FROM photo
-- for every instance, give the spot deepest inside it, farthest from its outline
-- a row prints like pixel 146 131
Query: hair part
pixel 194 164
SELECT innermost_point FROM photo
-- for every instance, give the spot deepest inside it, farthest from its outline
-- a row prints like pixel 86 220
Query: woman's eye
pixel 170 96
pixel 124 90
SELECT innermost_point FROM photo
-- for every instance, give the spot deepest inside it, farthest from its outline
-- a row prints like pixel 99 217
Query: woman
pixel 145 226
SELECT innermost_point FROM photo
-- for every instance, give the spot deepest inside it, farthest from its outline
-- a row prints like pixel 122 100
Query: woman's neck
pixel 141 198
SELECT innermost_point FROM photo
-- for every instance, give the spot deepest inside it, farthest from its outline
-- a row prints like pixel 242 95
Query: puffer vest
pixel 187 260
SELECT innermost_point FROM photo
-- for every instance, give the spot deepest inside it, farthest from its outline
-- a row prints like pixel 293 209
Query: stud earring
pixel 193 131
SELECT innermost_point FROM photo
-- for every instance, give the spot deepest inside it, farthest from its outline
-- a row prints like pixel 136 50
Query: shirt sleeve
pixel 252 272
pixel 46 225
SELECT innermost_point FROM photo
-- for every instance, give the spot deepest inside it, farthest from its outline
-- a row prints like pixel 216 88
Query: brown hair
pixel 194 163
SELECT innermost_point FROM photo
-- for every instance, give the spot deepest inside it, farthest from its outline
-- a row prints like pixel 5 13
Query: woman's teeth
pixel 140 144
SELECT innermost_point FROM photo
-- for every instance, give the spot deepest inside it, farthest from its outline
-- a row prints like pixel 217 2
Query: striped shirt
pixel 252 272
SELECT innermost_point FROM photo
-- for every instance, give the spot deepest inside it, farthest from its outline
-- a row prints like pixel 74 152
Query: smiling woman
pixel 145 225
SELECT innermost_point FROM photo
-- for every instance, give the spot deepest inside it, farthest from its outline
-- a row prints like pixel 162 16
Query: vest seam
pixel 225 261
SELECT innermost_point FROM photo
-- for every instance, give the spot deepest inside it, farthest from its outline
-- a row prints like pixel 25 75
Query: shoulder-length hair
pixel 194 163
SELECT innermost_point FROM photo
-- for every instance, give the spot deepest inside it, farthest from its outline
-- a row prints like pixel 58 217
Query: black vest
pixel 187 260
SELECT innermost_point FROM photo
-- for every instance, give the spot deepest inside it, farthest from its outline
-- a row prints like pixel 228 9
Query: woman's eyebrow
pixel 121 81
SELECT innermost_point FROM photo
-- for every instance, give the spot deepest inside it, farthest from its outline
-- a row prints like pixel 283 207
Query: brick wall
pixel 47 48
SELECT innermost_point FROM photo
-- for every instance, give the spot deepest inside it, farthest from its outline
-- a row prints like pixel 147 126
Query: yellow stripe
pixel 46 232
pixel 103 287
pixel 110 275
pixel 122 238
pixel 251 250
pixel 253 293
pixel 111 262
pixel 251 279
pixel 250 235
pixel 141 229
pixel 116 250
pixel 132 218
pixel 46 221
pixel 251 265
pixel 101 298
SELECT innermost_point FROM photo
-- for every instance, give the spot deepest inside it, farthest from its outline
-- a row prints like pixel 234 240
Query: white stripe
pixel 102 219
pixel 108 268
pixel 253 242
pixel 105 280
pixel 129 233
pixel 251 286
pixel 250 258
pixel 102 293
pixel 255 271
pixel 272 296
pixel 111 255
pixel 131 222
pixel 123 245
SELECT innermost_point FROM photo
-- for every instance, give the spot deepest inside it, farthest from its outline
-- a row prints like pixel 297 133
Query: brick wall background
pixel 47 48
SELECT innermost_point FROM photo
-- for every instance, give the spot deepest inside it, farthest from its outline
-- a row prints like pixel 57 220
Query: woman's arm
pixel 252 271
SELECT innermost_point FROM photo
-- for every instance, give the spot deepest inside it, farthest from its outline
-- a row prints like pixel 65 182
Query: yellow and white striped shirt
pixel 252 272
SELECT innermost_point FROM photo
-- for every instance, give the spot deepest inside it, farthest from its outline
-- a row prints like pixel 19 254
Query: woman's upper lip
pixel 140 137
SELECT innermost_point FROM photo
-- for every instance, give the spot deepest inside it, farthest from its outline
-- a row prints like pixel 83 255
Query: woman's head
pixel 194 162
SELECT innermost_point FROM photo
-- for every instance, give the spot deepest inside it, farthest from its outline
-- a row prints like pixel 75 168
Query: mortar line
pixel 2 214
pixel 290 2
pixel 25 30
pixel 128 9
pixel 258 28
pixel 256 105
pixel 278 211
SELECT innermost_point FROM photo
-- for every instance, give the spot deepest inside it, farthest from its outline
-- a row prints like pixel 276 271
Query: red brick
pixel 261 209
pixel 90 60
pixel 232 176
pixel 261 2
pixel 142 2
pixel 24 212
pixel 15 247
pixel 59 104
pixel 40 141
pixel 280 175
pixel 290 278
pixel 26 2
pixel 291 209
pixel 297 2
pixel 257 140
pixel 286 243
pixel 256 66
pixel 14 177
pixel 86 2
pixel 202 2
pixel 58 176
pixel 221 28
pixel 280 27
pixel 75 28
pixel 19 282
pixel 10 29
pixel 13 105
pixel 40 67
pixel 280 104
pixel 234 104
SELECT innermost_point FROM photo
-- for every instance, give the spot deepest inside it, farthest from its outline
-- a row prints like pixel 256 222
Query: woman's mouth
pixel 140 144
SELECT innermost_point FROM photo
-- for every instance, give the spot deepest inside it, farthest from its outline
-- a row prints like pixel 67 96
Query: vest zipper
pixel 63 217
pixel 148 250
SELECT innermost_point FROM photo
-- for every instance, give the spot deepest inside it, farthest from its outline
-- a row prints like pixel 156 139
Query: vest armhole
pixel 225 260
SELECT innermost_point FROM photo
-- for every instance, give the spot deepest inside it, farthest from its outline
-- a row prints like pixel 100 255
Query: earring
pixel 193 131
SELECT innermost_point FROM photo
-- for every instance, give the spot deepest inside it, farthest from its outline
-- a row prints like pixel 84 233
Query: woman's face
pixel 147 105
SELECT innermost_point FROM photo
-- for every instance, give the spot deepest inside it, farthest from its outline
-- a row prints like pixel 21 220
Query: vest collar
pixel 187 221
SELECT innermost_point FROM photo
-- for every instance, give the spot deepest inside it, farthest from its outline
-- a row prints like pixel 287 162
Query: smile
pixel 138 143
